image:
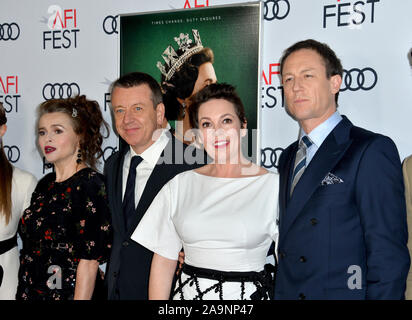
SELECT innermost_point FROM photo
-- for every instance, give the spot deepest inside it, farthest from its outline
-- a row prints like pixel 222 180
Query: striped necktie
pixel 300 161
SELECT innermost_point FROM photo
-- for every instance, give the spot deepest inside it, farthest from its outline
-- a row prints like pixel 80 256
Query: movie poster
pixel 233 32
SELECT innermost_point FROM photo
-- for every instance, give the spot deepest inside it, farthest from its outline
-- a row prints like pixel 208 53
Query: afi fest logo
pixel 196 4
pixel 349 14
pixel 9 92
pixel 272 94
pixel 63 28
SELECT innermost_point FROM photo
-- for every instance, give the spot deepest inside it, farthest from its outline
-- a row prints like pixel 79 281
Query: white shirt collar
pixel 319 134
pixel 152 154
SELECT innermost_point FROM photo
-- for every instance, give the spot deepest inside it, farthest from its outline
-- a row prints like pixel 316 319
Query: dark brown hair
pixel 87 123
pixel 216 91
pixel 135 79
pixel 6 175
pixel 332 63
pixel 182 83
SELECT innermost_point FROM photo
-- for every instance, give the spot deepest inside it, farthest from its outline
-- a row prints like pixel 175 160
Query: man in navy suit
pixel 342 222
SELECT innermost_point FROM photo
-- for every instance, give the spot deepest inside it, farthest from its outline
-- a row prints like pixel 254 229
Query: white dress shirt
pixel 144 169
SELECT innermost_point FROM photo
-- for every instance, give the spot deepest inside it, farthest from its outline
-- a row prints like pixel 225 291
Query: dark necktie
pixel 129 206
pixel 300 161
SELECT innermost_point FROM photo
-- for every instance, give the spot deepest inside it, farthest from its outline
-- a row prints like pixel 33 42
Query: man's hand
pixel 181 261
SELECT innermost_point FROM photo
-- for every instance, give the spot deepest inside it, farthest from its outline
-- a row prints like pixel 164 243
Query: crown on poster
pixel 175 59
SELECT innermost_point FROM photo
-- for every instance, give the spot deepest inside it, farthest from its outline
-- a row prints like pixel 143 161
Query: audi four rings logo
pixel 9 31
pixel 357 79
pixel 276 9
pixel 60 90
pixel 270 157
pixel 12 153
pixel 110 24
pixel 107 152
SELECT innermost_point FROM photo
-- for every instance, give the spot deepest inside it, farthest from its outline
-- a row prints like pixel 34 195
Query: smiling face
pixel 219 128
pixel 136 118
pixel 310 95
pixel 57 139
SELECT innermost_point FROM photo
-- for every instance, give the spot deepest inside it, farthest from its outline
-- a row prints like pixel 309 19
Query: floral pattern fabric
pixel 65 222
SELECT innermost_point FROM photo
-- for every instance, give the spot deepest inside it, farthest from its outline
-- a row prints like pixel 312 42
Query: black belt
pixel 226 276
pixel 8 244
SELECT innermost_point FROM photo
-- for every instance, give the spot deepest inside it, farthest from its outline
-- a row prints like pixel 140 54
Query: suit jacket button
pixel 115 274
pixel 313 221
pixel 302 296
pixel 302 259
pixel 282 255
pixel 125 243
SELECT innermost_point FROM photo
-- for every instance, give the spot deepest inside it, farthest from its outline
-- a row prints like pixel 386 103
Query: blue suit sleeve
pixel 381 204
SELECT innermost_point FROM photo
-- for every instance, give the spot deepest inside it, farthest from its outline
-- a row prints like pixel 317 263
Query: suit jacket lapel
pixel 118 194
pixel 285 177
pixel 325 159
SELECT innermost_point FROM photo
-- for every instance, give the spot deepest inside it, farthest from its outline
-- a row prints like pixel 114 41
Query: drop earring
pixel 183 109
pixel 79 156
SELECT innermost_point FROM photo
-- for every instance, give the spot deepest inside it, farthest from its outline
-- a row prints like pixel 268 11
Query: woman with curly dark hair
pixel 188 72
pixel 16 187
pixel 66 230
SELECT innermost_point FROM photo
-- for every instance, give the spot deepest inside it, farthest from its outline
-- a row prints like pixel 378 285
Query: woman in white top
pixel 223 214
pixel 16 187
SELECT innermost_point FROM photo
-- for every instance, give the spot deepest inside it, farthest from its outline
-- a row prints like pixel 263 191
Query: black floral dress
pixel 65 222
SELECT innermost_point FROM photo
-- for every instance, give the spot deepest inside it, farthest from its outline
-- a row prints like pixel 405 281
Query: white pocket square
pixel 331 179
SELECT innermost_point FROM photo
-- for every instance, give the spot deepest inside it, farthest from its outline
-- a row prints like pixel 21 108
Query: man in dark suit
pixel 135 174
pixel 342 232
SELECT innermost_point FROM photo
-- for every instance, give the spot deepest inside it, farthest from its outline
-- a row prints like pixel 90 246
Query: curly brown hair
pixel 87 120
